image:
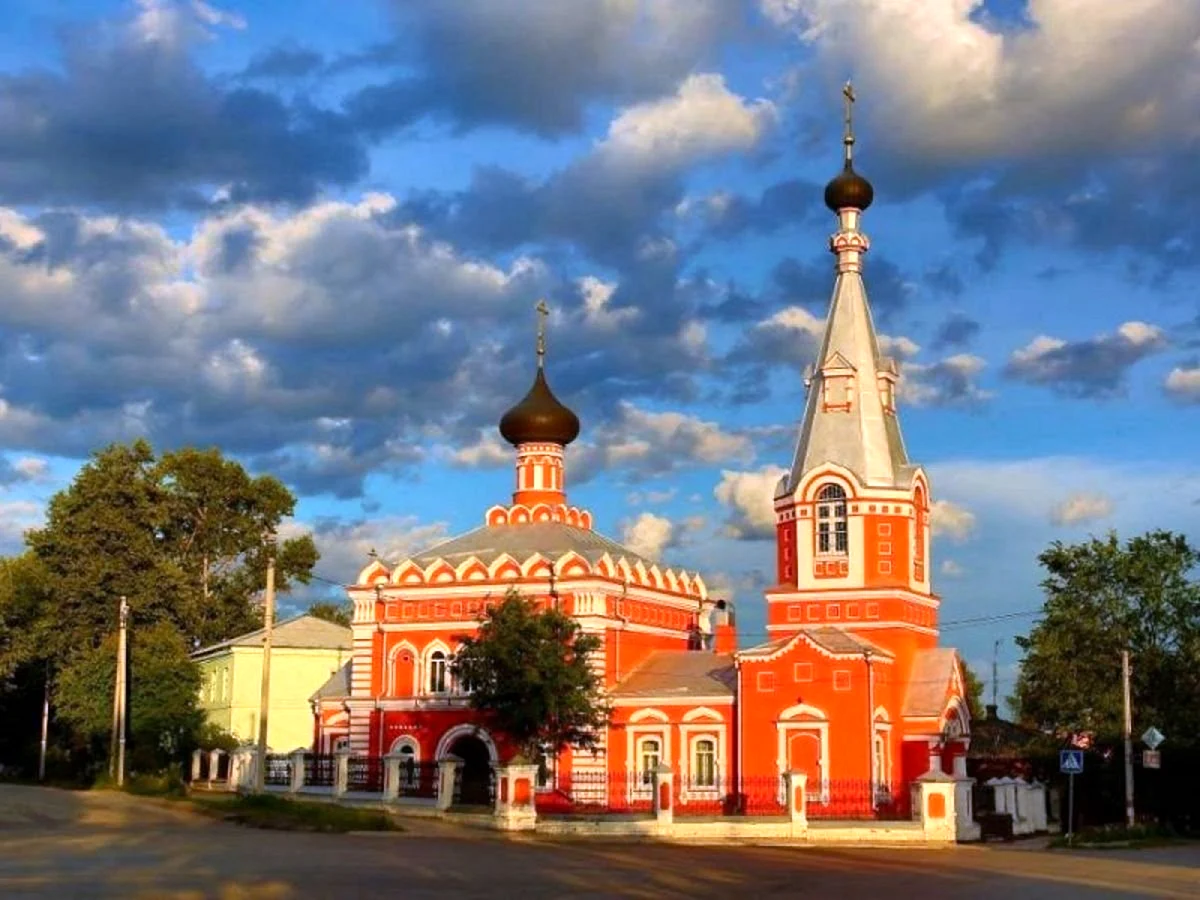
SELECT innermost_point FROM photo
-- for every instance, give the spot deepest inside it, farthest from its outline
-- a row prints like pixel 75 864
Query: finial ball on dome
pixel 848 190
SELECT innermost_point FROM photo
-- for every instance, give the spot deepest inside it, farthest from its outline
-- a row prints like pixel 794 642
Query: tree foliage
pixel 974 686
pixel 528 670
pixel 182 537
pixel 164 686
pixel 338 613
pixel 1103 597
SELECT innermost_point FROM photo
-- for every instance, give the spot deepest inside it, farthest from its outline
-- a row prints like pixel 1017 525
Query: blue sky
pixel 315 240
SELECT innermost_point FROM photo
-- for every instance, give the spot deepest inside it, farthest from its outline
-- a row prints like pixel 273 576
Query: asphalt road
pixel 78 845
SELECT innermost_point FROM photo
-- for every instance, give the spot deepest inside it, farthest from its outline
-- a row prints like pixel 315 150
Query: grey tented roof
pixel 299 632
pixel 680 673
pixel 336 687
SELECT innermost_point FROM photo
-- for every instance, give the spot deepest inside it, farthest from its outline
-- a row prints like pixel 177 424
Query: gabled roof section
pixel 866 439
pixel 828 639
pixel 933 674
pixel 302 632
pixel 337 687
pixel 679 673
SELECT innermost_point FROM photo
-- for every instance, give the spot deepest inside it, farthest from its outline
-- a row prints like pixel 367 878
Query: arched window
pixel 704 763
pixel 437 672
pixel 832 536
pixel 649 756
pixel 918 548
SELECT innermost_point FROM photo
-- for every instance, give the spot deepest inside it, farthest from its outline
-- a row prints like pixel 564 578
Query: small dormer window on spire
pixel 833 538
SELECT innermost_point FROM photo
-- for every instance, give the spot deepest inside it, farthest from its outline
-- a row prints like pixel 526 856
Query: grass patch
pixel 1119 837
pixel 267 811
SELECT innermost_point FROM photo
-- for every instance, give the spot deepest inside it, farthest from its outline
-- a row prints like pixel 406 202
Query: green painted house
pixel 305 652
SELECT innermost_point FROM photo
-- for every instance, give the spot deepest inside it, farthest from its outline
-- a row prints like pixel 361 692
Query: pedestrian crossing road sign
pixel 1070 762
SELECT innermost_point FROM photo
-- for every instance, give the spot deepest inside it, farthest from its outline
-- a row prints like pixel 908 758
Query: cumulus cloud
pixel 703 118
pixel 949 382
pixel 346 544
pixel 1183 384
pixel 956 330
pixel 749 499
pixel 156 129
pixel 951 569
pixel 465 62
pixel 1079 508
pixel 950 519
pixel 249 333
pixel 649 535
pixel 961 83
pixel 1094 367
pixel 16 518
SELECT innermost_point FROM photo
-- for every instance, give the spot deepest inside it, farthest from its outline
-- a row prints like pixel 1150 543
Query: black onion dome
pixel 540 418
pixel 848 190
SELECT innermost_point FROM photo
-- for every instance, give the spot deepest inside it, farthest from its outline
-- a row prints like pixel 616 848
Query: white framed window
pixel 437 672
pixel 833 537
pixel 704 764
pixel 649 755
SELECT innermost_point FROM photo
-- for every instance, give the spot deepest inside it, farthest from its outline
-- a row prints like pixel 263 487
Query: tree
pixel 1103 597
pixel 182 537
pixel 529 672
pixel 338 613
pixel 164 689
pixel 974 688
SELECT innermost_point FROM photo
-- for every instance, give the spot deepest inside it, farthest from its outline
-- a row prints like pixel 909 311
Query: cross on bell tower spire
pixel 849 98
pixel 543 311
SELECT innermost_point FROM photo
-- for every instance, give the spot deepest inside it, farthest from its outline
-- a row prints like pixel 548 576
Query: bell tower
pixel 852 514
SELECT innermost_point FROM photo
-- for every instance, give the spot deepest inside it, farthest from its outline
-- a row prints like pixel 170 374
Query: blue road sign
pixel 1070 762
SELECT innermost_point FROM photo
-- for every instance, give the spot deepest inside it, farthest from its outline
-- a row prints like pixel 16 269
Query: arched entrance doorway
pixel 475 777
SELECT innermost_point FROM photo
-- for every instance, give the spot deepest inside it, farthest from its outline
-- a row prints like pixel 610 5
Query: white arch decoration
pixel 466 729
pixel 406 740
pixel 392 663
pixel 654 715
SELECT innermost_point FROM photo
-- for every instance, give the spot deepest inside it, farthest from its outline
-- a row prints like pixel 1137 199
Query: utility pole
pixel 1125 673
pixel 45 726
pixel 264 700
pixel 995 673
pixel 116 767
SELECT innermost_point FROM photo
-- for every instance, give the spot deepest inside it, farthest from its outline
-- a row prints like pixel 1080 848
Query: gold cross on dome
pixel 848 134
pixel 543 311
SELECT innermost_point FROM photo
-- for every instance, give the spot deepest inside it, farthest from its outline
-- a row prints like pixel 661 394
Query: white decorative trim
pixel 671 701
pixel 689 735
pixel 859 625
pixel 635 734
pixel 407 740
pixel 818 791
pixel 470 730
pixel 702 712
pixel 654 715
pixel 392 664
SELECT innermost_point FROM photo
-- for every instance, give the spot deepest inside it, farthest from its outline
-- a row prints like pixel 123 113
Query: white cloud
pixel 345 545
pixel 749 497
pixel 951 569
pixel 489 451
pixel 1184 384
pixel 597 313
pixel 951 520
pixel 702 119
pixel 649 535
pixel 951 84
pixel 950 382
pixel 1082 507
pixel 1147 493
pixel 1092 367
pixel 17 517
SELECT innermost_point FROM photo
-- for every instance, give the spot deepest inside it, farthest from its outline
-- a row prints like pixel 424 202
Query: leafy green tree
pixel 528 671
pixel 338 613
pixel 164 690
pixel 974 688
pixel 23 596
pixel 216 518
pixel 182 537
pixel 1103 597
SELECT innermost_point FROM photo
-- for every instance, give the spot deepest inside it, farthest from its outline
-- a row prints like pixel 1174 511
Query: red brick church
pixel 852 685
